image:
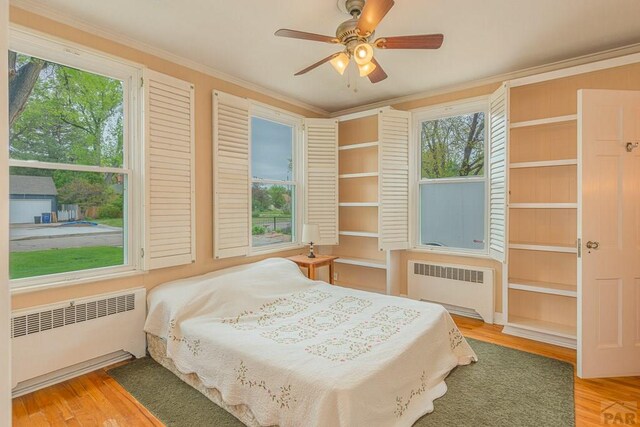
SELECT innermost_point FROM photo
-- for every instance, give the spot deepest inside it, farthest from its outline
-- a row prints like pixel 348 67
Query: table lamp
pixel 310 234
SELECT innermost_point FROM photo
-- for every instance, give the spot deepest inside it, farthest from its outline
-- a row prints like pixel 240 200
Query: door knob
pixel 592 245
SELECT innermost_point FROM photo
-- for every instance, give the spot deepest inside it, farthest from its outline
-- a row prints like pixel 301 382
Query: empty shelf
pixel 543 287
pixel 544 164
pixel 357 146
pixel 358 175
pixel 358 234
pixel 544 248
pixel 536 325
pixel 550 120
pixel 358 204
pixel 543 205
pixel 363 262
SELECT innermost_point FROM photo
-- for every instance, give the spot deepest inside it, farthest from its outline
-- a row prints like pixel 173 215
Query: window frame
pixel 276 115
pixel 441 111
pixel 72 55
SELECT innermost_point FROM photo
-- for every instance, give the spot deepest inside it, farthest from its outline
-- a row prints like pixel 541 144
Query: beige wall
pixel 204 85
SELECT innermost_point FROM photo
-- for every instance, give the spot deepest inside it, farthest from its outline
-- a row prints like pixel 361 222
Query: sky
pixel 271 149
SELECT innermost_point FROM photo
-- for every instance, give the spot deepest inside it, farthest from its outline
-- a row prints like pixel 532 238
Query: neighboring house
pixel 31 196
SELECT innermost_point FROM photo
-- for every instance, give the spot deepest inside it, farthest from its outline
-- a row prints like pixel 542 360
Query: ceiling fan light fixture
pixel 363 53
pixel 340 62
pixel 366 69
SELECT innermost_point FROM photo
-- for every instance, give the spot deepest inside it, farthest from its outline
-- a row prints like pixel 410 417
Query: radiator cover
pixel 453 285
pixel 53 337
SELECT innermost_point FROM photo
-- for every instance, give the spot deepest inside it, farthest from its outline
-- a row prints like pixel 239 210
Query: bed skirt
pixel 158 349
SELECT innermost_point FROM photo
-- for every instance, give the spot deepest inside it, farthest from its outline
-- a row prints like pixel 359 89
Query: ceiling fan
pixel 357 36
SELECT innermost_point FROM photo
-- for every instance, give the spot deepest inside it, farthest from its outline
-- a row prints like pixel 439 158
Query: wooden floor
pixel 96 399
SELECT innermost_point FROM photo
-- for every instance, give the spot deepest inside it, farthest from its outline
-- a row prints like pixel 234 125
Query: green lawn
pixel 52 261
pixel 112 222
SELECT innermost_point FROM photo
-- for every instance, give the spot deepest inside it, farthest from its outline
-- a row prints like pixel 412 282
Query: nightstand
pixel 311 264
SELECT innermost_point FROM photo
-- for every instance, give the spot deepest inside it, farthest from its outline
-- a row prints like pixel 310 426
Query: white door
pixel 24 211
pixel 609 226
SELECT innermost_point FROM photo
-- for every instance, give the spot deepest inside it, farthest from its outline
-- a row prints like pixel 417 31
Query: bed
pixel 275 348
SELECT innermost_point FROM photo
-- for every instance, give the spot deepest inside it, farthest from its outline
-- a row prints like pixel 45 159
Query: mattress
pixel 275 348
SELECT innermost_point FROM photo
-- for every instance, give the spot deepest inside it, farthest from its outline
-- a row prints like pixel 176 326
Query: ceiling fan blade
pixel 293 34
pixel 372 14
pixel 427 41
pixel 378 74
pixel 317 64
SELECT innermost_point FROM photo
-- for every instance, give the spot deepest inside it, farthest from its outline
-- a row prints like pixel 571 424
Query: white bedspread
pixel 301 352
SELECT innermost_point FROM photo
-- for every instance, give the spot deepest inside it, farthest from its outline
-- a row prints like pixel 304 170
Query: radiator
pixel 51 342
pixel 461 289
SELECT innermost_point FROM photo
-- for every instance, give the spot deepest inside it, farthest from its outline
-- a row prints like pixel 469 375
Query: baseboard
pixel 540 336
pixel 29 386
pixel 498 319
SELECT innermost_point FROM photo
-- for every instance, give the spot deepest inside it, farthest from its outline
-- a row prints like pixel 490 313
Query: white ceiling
pixel 483 38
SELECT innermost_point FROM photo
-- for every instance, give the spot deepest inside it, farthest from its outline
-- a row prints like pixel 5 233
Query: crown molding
pixel 578 65
pixel 36 7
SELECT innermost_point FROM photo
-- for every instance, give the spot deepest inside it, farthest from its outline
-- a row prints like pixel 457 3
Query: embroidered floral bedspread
pixel 301 352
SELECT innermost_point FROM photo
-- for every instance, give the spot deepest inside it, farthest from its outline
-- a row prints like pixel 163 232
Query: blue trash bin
pixel 46 217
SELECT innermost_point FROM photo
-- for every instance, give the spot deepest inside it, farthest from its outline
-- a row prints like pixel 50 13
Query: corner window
pixel 274 183
pixel 71 175
pixel 452 181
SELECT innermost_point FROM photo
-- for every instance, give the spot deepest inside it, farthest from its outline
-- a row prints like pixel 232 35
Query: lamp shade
pixel 310 233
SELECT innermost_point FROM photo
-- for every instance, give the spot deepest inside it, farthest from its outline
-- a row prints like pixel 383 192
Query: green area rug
pixel 505 387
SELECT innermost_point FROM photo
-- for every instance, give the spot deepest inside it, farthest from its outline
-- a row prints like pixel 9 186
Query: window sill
pixel 40 285
pixel 451 252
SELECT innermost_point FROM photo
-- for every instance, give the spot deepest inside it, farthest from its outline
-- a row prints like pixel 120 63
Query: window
pixel 71 169
pixel 451 181
pixel 274 183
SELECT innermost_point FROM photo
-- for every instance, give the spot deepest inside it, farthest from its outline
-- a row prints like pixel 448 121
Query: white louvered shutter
pixel 321 178
pixel 231 204
pixel 393 151
pixel 498 142
pixel 169 171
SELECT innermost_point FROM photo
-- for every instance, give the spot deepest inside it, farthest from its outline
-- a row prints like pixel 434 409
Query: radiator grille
pixel 33 323
pixel 453 273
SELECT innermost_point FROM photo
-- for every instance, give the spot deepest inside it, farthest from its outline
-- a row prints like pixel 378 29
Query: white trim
pixel 296 122
pixel 578 65
pixel 82 58
pixel 74 371
pixel 360 114
pixel 359 204
pixel 88 276
pixel 546 337
pixel 436 112
pixel 543 205
pixel 498 318
pixel 545 121
pixel 358 175
pixel 543 164
pixel 544 248
pixel 53 14
pixel 359 234
pixel 358 146
pixel 5 297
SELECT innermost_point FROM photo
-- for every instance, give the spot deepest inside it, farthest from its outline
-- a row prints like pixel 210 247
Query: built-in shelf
pixel 544 164
pixel 358 175
pixel 359 234
pixel 543 287
pixel 543 205
pixel 544 248
pixel 536 325
pixel 357 146
pixel 547 121
pixel 358 204
pixel 363 262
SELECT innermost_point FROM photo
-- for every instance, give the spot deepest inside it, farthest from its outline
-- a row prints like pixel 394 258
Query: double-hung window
pixel 275 182
pixel 73 180
pixel 452 178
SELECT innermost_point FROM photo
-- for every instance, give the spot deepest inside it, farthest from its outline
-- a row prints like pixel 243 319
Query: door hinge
pixel 579 248
pixel 141 81
pixel 141 252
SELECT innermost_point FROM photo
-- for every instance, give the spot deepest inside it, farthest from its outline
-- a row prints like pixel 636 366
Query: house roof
pixel 32 185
